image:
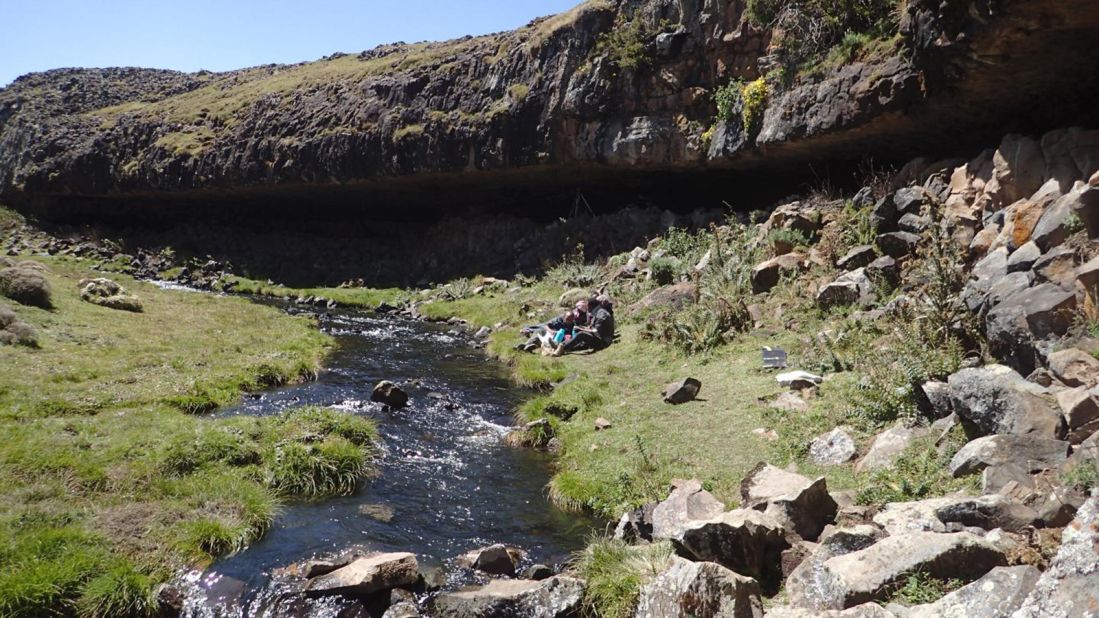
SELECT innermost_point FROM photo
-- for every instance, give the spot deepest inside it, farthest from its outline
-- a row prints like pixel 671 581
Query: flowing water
pixel 446 482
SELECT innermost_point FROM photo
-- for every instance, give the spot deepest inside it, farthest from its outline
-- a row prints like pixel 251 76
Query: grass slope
pixel 106 483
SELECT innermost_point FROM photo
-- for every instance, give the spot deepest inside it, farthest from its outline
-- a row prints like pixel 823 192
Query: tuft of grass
pixel 920 588
pixel 615 571
pixel 1083 476
pixel 921 472
pixel 121 591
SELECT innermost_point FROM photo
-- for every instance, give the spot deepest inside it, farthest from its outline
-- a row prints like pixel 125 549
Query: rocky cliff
pixel 610 87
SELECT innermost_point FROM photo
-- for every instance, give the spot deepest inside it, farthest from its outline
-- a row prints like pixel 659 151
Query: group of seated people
pixel 588 326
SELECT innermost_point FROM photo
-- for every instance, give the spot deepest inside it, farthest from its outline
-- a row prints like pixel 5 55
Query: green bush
pixel 727 99
pixel 624 45
pixel 1083 476
pixel 754 95
pixel 574 272
pixel 664 269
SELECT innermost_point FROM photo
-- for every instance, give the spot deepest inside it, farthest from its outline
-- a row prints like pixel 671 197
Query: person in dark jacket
pixel 538 333
pixel 599 333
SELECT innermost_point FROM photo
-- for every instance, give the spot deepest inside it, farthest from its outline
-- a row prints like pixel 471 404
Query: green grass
pixel 108 485
pixel 368 298
pixel 615 572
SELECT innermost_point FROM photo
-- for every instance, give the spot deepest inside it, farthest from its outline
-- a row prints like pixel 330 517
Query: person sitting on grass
pixel 538 333
pixel 598 333
pixel 554 339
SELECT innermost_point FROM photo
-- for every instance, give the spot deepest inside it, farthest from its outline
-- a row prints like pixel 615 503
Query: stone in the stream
pixel 538 572
pixel 1070 586
pixel 556 597
pixel 688 588
pixel 495 560
pixel 404 609
pixel 872 573
pixel 688 502
pixel 996 595
pixel 833 448
pixel 682 391
pixel 367 575
pixel 390 394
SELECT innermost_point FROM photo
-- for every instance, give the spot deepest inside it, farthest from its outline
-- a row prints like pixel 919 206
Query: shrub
pixel 25 284
pixel 15 332
pixel 615 572
pixel 664 269
pixel 574 272
pixel 1083 476
pixel 754 96
pixel 624 45
pixel 727 99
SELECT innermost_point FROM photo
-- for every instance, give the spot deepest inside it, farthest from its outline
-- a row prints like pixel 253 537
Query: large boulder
pixel 872 573
pixel 702 589
pixel 555 597
pixel 994 399
pixel 390 394
pixel 1070 586
pixel 887 446
pixel 936 514
pixel 767 274
pixel 1021 321
pixel 848 289
pixel 996 595
pixel 688 502
pixel 367 575
pixel 674 296
pixel 1081 409
pixel 1074 367
pixel 1033 453
pixel 744 540
pixel 495 560
pixel 897 244
pixel 857 257
pixel 107 293
pixel 800 504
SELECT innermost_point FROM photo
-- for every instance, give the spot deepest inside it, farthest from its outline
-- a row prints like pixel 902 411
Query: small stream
pixel 446 482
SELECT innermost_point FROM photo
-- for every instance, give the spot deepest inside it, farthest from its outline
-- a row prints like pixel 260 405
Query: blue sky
pixel 228 34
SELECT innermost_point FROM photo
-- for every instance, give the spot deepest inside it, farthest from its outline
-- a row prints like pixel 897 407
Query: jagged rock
pixel 1057 266
pixel 798 216
pixel 984 274
pixel 935 514
pixel 766 274
pixel 1081 409
pixel 886 447
pixel 681 391
pixel 869 574
pixel 833 542
pixel 884 215
pixel 1088 208
pixel 1087 274
pixel 555 597
pixel 1032 315
pixel 1050 231
pixel 856 257
pixel 747 541
pixel 1033 453
pixel 1074 367
pixel 995 399
pixel 847 289
pixel 636 524
pixel 390 394
pixel 107 293
pixel 913 223
pixel 884 268
pixel 1023 258
pixel 939 402
pixel 897 244
pixel 833 448
pixel 798 553
pixel 1070 586
pixel 674 296
pixel 367 575
pixel 996 478
pixel 801 505
pixel 688 502
pixel 688 588
pixel 996 595
pixel 495 560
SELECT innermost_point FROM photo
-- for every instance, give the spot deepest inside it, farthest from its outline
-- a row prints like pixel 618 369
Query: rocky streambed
pixel 446 483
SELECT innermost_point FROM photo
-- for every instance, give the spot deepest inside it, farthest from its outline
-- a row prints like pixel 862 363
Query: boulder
pixel 495 560
pixel 1087 275
pixel 1070 586
pixel 390 394
pixel 674 296
pixel 856 257
pixel 833 448
pixel 1074 367
pixel 367 575
pixel 847 289
pixel 872 573
pixel 403 609
pixel 913 223
pixel 910 200
pixel 801 505
pixel 884 268
pixel 994 399
pixel 107 293
pixel 681 391
pixel 884 215
pixel 555 597
pixel 707 589
pixel 886 447
pixel 996 595
pixel 636 525
pixel 1050 230
pixel 1033 453
pixel 538 572
pixel 1057 266
pixel 936 514
pixel 767 274
pixel 996 478
pixel 897 244
pixel 1081 409
pixel 1032 315
pixel 747 541
pixel 798 216
pixel 1023 258
pixel 688 502
pixel 867 610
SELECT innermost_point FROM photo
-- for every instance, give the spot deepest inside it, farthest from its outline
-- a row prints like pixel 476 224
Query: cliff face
pixel 611 86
